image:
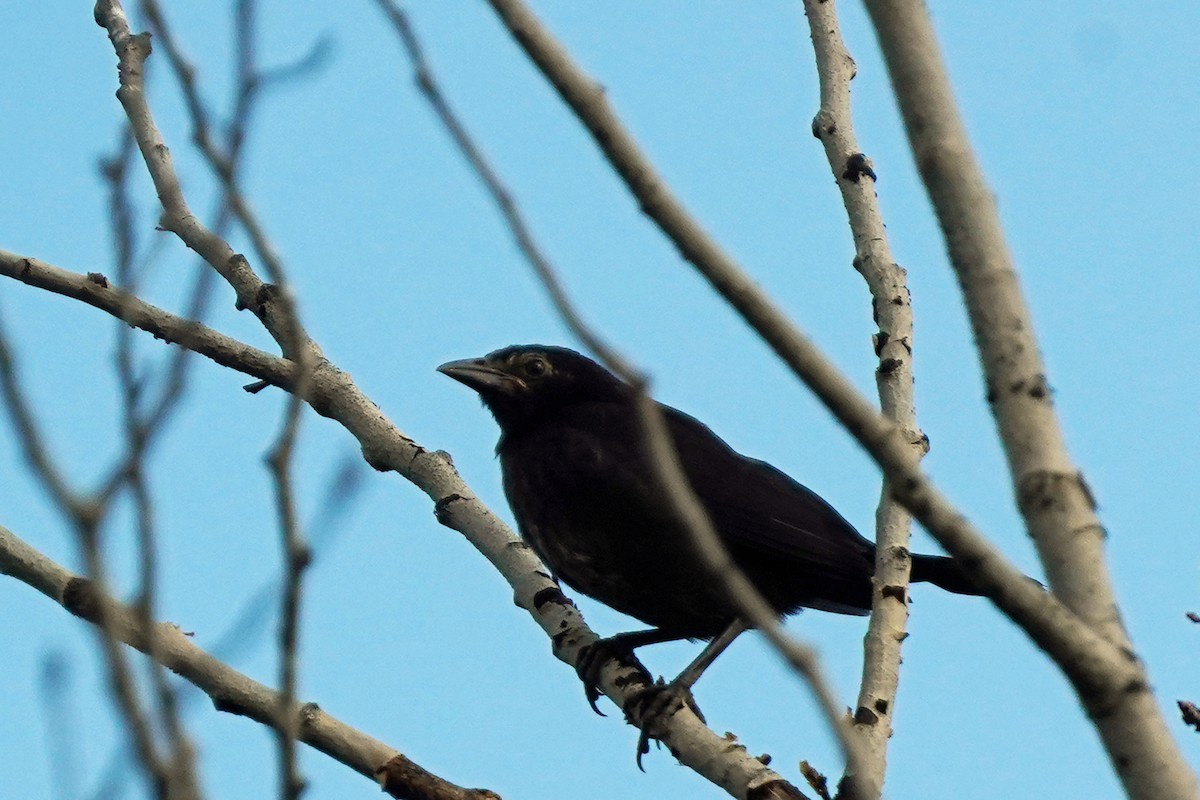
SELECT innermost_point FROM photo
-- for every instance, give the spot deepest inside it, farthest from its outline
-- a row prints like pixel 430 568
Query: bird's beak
pixel 475 373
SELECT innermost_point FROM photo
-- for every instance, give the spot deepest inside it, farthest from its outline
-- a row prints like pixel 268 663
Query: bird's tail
pixel 941 571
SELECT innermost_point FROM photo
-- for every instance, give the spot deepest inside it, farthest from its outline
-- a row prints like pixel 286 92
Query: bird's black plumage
pixel 578 479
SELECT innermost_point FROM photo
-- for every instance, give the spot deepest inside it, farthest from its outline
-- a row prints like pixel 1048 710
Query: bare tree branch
pixel 95 290
pixel 1058 507
pixel 297 557
pixel 669 472
pixel 130 470
pixel 333 394
pixel 84 515
pixel 1089 659
pixel 892 312
pixel 230 690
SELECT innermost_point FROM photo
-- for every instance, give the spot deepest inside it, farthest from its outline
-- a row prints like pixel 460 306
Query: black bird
pixel 578 480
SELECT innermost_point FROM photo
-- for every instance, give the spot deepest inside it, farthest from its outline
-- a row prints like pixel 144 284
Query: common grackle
pixel 578 480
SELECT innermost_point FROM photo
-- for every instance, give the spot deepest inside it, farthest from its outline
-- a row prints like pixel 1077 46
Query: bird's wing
pixel 759 508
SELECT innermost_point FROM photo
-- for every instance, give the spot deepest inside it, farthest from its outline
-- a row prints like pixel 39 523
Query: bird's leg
pixel 657 703
pixel 620 647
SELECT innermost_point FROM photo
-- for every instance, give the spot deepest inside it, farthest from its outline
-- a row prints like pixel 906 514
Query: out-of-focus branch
pixel 1058 507
pixel 181 759
pixel 297 557
pixel 287 330
pixel 248 623
pixel 84 515
pixel 834 126
pixel 333 394
pixel 669 472
pixel 1088 658
pixel 229 689
pixel 61 720
pixel 29 434
pixel 251 81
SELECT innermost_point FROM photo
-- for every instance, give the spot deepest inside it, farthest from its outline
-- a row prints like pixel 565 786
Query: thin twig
pixel 84 516
pixel 195 336
pixel 33 445
pixel 289 334
pixel 181 763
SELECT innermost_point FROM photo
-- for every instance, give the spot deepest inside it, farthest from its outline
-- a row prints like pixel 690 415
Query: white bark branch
pixel 333 394
pixel 229 689
pixel 1107 675
pixel 1057 506
pixel 892 311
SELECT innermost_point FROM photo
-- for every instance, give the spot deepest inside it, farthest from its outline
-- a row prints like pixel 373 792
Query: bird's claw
pixel 590 664
pixel 652 707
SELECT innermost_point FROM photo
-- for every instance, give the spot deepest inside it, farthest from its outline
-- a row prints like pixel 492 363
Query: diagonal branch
pixel 668 471
pixel 1086 657
pixel 333 394
pixel 230 690
pixel 1055 502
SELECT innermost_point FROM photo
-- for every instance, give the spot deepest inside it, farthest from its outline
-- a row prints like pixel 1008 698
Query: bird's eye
pixel 535 367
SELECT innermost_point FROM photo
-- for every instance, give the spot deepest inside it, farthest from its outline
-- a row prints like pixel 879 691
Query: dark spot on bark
pixel 857 166
pixel 1190 713
pixel 551 594
pixel 893 591
pixel 765 759
pixel 98 279
pixel 441 509
pixel 881 705
pixel 865 716
pixel 266 294
pixel 228 705
pixel 79 597
pixel 889 365
pixel 308 714
pixel 880 341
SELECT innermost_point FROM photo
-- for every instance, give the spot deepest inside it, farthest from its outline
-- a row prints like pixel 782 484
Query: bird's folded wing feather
pixel 757 507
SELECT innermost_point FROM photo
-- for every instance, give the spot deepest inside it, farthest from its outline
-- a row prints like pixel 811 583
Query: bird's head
pixel 524 384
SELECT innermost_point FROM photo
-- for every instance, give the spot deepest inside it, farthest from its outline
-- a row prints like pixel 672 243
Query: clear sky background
pixel 1085 116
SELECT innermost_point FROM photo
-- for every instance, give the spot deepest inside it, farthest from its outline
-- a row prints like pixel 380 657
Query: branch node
pixel 81 599
pixel 858 166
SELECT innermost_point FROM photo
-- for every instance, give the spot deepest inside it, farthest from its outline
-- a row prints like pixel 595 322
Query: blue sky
pixel 1085 118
